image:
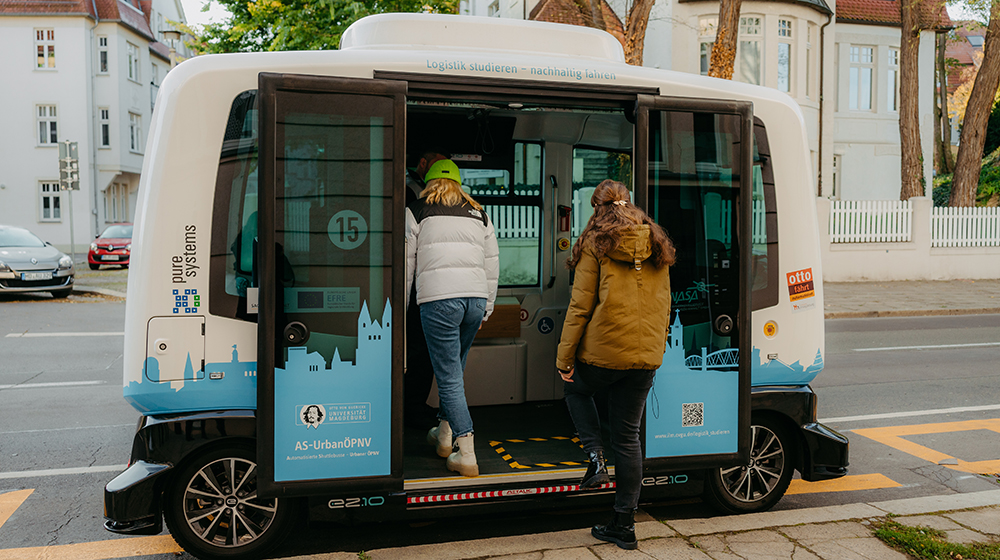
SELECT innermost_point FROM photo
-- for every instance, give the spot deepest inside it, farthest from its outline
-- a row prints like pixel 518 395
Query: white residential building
pixel 86 71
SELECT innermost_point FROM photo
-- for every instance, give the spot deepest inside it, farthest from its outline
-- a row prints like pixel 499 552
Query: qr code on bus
pixel 692 415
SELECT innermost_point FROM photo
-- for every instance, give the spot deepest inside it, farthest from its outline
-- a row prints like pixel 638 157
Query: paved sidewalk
pixel 827 533
pixel 910 299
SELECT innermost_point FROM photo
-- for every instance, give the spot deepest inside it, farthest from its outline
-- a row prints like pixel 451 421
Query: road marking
pixel 99 550
pixel 925 347
pixel 930 412
pixel 47 385
pixel 64 429
pixel 59 472
pixel 893 437
pixel 51 334
pixel 10 501
pixel 843 484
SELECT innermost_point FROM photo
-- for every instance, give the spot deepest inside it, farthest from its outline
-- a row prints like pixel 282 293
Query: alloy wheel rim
pixel 759 477
pixel 221 506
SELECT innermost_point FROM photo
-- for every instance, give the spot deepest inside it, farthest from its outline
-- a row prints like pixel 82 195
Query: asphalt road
pixel 61 408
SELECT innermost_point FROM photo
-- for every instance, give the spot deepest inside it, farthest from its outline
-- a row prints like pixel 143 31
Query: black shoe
pixel 620 531
pixel 597 472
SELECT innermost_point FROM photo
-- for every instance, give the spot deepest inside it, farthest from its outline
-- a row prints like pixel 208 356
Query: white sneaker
pixel 463 461
pixel 440 437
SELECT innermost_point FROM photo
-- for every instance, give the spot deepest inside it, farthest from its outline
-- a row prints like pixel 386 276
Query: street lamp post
pixel 173 36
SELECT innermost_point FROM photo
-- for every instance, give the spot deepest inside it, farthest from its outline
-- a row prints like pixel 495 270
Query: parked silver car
pixel 28 264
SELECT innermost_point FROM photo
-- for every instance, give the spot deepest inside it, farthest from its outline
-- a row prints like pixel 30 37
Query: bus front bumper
pixel 132 500
pixel 825 453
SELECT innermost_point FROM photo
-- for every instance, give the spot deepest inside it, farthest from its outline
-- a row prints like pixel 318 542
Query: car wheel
pixel 61 293
pixel 759 484
pixel 94 266
pixel 212 509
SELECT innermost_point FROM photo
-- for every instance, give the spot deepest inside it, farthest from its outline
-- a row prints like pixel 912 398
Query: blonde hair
pixel 447 192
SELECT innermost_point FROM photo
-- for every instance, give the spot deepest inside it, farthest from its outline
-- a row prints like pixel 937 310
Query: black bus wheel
pixel 212 509
pixel 759 484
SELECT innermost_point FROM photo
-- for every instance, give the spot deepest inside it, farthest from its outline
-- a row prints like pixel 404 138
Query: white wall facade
pixel 83 96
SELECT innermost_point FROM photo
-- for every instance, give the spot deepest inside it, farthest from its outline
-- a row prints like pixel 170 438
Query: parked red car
pixel 111 247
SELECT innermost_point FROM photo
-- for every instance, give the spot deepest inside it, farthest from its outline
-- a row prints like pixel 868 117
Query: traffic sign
pixel 69 166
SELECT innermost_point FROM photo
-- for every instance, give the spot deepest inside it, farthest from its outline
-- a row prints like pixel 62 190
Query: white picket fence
pixel 965 227
pixel 870 221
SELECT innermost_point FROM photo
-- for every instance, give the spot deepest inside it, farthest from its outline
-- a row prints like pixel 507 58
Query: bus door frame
pixel 269 343
pixel 640 174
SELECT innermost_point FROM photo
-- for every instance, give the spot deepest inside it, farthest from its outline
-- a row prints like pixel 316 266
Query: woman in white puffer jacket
pixel 452 254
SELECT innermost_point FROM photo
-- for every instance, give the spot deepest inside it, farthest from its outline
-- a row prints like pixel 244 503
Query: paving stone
pixel 484 548
pixel 965 536
pixel 612 552
pixel 985 520
pixel 855 549
pixel 579 553
pixel 647 529
pixel 710 543
pixel 671 549
pixel 809 534
pixel 932 504
pixel 526 556
pixel 932 521
pixel 801 553
pixel 749 522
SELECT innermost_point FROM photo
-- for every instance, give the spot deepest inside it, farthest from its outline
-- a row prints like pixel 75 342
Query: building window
pixel 116 203
pixel 493 10
pixel 50 201
pixel 105 127
pixel 892 99
pixel 809 51
pixel 133 62
pixel 784 55
pixel 860 79
pixel 45 47
pixel 706 37
pixel 102 55
pixel 47 125
pixel 135 132
pixel 975 40
pixel 748 54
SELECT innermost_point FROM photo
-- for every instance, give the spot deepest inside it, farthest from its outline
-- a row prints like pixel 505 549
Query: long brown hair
pixel 447 192
pixel 613 215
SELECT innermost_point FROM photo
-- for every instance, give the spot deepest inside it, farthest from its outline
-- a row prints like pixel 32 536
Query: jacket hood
pixel 633 246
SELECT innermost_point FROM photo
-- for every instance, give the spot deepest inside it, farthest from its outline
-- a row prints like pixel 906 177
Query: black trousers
pixel 626 392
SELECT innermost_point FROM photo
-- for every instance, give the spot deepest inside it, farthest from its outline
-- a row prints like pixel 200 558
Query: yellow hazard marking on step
pixel 538 439
pixel 99 550
pixel 570 463
pixel 560 437
pixel 843 484
pixel 10 501
pixel 494 443
pixel 515 440
pixel 509 459
pixel 893 437
pixel 506 457
pixel 544 465
pixel 500 449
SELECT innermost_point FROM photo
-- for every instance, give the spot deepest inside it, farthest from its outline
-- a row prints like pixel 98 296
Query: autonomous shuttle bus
pixel 265 343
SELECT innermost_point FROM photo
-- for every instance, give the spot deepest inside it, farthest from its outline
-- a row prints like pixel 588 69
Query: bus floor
pixel 529 438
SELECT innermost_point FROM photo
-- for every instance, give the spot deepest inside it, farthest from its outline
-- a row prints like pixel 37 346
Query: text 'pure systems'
pixel 185 265
pixel 494 68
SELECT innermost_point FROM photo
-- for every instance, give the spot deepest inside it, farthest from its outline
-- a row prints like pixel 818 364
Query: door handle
pixel 296 334
pixel 723 325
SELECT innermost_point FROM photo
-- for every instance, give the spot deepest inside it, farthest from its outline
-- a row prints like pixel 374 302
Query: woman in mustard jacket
pixel 613 341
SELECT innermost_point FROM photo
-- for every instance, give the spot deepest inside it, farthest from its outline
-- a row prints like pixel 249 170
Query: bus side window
pixel 234 216
pixel 764 247
pixel 590 167
pixel 514 205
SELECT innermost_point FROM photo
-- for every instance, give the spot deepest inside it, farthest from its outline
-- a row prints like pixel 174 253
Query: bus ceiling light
pixel 515 105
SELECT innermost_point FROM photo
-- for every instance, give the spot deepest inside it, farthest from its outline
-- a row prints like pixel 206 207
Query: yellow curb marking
pixel 843 484
pixel 893 437
pixel 10 501
pixel 99 550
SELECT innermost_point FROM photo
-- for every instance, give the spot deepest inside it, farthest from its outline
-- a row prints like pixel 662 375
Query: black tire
pixel 201 499
pixel 758 485
pixel 59 294
pixel 93 266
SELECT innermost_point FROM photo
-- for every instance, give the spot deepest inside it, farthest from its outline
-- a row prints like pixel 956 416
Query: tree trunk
pixel 597 14
pixel 946 163
pixel 727 32
pixel 977 114
pixel 635 31
pixel 911 168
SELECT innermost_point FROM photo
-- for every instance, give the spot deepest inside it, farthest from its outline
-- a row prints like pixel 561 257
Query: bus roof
pixel 448 32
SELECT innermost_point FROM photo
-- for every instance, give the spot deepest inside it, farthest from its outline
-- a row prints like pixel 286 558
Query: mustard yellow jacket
pixel 620 311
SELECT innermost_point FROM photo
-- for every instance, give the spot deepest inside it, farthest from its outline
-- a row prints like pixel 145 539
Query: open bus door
pixel 692 170
pixel 330 338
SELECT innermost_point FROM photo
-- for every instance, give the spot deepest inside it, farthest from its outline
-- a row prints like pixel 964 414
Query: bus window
pixel 764 248
pixel 234 218
pixel 590 167
pixel 515 208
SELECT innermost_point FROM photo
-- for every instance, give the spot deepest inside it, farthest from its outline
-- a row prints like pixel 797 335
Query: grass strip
pixel 931 544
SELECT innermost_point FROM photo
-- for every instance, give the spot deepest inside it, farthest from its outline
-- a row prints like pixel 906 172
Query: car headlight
pixel 93 246
pixel 4 267
pixel 128 248
pixel 65 262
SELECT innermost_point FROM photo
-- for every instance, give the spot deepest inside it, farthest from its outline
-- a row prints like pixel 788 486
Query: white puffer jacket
pixel 452 251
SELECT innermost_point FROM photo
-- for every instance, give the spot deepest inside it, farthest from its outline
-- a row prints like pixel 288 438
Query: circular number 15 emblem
pixel 347 229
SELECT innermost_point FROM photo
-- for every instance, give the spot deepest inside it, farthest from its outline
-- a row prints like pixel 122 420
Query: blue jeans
pixel 450 325
pixel 626 391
